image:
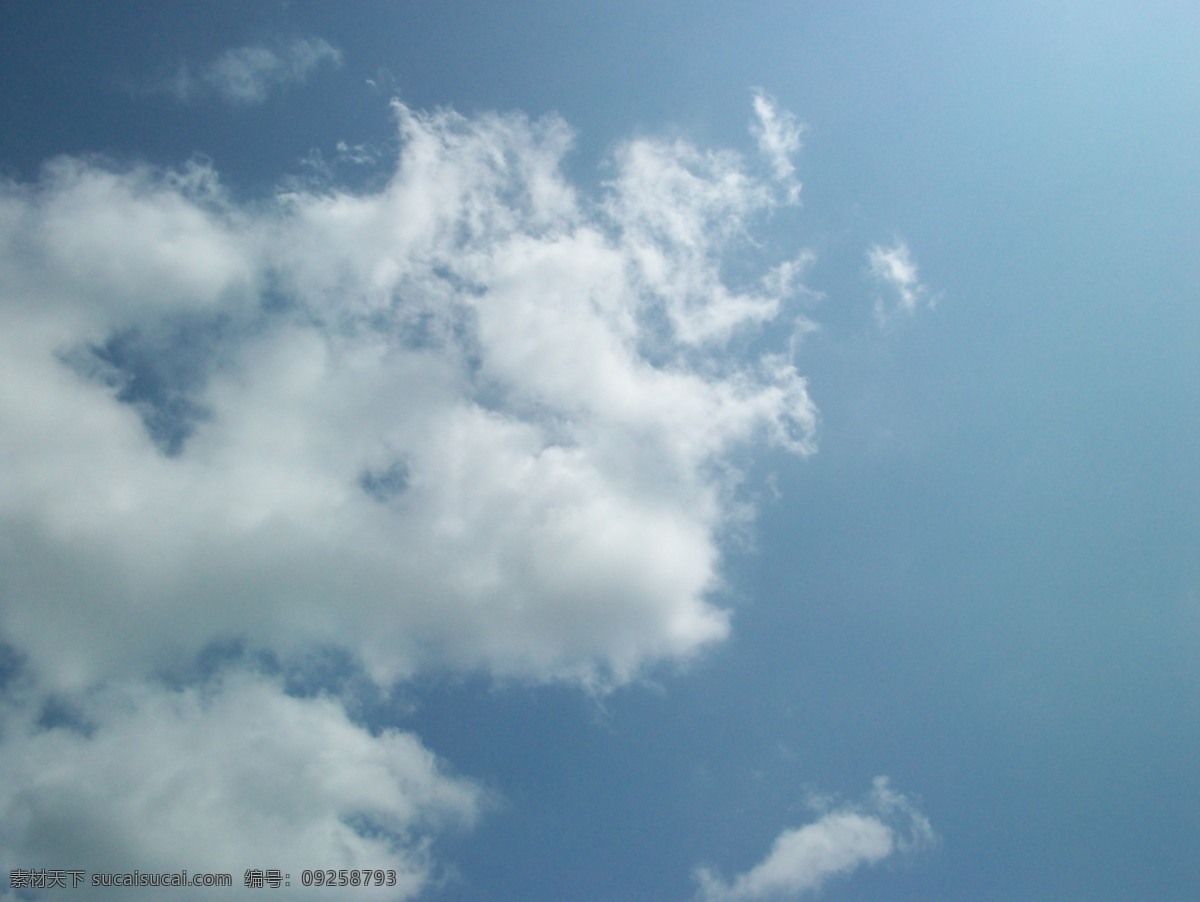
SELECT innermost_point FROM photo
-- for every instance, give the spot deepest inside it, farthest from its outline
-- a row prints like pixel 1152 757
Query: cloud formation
pixel 469 420
pixel 202 404
pixel 893 267
pixel 247 75
pixel 841 841
pixel 222 778
pixel 778 135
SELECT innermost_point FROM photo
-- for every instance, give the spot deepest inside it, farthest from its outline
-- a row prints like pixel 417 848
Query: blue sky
pixel 560 451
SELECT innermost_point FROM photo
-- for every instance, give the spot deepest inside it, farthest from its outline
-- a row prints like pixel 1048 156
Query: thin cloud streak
pixel 778 133
pixel 248 75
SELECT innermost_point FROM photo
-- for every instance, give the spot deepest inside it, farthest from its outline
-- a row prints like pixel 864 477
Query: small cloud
pixel 247 75
pixel 841 841
pixel 894 268
pixel 384 82
pixel 357 154
pixel 778 134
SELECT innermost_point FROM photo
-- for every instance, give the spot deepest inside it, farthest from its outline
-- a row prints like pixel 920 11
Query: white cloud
pixel 840 842
pixel 778 135
pixel 357 154
pixel 223 778
pixel 468 420
pixel 247 75
pixel 894 268
pixel 551 377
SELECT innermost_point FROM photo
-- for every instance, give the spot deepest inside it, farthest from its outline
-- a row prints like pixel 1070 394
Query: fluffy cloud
pixel 247 75
pixel 841 841
pixel 222 778
pixel 893 267
pixel 468 420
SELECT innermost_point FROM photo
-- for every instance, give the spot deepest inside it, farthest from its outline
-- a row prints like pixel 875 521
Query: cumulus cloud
pixel 247 75
pixel 551 376
pixel 222 778
pixel 840 842
pixel 893 268
pixel 467 420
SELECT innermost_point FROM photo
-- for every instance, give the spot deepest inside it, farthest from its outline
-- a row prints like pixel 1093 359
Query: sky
pixel 540 451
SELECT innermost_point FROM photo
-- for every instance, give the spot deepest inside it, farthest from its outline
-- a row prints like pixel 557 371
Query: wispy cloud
pixel 466 420
pixel 247 75
pixel 801 860
pixel 778 135
pixel 894 269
